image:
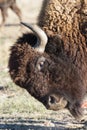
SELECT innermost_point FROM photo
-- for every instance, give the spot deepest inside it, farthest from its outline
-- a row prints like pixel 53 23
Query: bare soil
pixel 61 120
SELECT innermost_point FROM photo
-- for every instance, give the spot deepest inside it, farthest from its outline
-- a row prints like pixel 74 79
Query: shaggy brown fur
pixel 4 5
pixel 68 20
pixel 58 77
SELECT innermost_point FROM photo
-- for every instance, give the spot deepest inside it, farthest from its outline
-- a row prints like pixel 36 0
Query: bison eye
pixel 40 63
pixel 52 100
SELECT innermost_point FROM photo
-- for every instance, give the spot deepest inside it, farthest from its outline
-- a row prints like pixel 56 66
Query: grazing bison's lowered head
pixel 52 80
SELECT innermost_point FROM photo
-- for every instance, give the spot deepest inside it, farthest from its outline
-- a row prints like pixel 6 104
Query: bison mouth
pixel 57 102
pixel 54 102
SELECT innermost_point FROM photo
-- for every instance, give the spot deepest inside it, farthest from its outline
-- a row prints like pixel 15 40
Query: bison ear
pixel 40 63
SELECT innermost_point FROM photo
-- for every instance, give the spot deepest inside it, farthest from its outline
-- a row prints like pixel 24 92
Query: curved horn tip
pixel 40 34
pixel 27 24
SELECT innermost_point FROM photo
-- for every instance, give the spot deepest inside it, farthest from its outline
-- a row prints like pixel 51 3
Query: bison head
pixel 52 80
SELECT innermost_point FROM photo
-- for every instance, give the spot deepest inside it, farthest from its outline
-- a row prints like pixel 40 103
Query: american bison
pixel 51 62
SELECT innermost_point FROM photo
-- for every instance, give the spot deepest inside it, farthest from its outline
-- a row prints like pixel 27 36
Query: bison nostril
pixel 52 100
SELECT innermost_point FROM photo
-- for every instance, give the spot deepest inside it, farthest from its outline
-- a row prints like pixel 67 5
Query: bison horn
pixel 41 36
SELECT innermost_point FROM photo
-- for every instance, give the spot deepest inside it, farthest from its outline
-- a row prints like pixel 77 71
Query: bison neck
pixel 65 19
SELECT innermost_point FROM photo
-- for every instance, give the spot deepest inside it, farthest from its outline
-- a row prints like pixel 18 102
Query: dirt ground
pixel 60 120
pixel 32 120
